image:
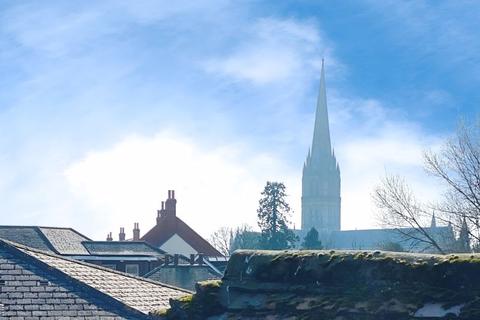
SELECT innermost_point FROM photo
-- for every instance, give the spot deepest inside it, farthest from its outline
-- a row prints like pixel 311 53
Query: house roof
pixel 169 225
pixel 121 248
pixel 58 240
pixel 137 293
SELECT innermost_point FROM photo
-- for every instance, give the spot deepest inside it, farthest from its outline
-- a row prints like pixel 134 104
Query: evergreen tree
pixel 273 214
pixel 244 237
pixel 311 240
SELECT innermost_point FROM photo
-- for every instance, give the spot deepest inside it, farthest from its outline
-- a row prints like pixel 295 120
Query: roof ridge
pixel 123 242
pixel 44 237
pixel 92 265
pixel 389 229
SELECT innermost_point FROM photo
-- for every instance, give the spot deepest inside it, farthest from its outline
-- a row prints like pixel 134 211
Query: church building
pixel 321 198
pixel 321 175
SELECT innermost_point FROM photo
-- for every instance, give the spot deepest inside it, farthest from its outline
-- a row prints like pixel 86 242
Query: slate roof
pixel 170 225
pixel 133 292
pixel 121 248
pixel 63 241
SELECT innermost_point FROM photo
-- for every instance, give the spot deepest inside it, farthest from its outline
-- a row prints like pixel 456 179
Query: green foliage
pixel 244 238
pixel 311 240
pixel 273 215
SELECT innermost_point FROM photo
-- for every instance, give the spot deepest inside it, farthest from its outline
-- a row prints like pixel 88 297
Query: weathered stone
pixel 338 285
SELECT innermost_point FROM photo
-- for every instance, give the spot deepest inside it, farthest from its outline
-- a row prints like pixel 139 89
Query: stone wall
pixel 183 276
pixel 338 285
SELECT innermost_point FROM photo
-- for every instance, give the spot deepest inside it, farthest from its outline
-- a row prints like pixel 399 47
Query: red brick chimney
pixel 171 204
pixel 136 232
pixel 121 235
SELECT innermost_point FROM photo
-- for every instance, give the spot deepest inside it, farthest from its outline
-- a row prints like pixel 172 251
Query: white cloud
pixel 214 186
pixel 372 141
pixel 60 29
pixel 273 50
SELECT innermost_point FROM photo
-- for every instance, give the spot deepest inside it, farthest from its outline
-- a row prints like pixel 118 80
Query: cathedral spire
pixel 321 132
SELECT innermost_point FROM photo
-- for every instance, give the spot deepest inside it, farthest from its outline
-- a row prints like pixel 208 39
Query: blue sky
pixel 106 105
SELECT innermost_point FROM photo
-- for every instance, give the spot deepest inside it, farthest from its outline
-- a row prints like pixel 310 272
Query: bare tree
pixel 457 165
pixel 221 240
pixel 457 168
pixel 245 238
pixel 403 212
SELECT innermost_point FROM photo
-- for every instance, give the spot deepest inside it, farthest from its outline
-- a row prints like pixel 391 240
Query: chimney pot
pixel 136 231
pixel 173 194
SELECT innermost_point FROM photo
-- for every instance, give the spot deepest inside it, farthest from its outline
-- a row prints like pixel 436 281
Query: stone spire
pixel 464 237
pixel 321 146
pixel 433 224
pixel 321 175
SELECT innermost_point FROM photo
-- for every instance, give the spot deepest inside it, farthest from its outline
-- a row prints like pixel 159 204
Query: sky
pixel 106 105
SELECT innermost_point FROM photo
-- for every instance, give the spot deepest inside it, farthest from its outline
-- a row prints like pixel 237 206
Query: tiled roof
pixel 58 240
pixel 137 293
pixel 121 248
pixel 65 240
pixel 170 225
pixel 28 236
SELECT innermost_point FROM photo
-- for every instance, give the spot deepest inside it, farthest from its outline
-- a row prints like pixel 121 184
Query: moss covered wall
pixel 339 285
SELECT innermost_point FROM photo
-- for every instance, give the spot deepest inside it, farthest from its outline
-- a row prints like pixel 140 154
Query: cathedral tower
pixel 321 175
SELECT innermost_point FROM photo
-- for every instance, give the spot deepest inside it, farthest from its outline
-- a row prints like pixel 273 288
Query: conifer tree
pixel 273 213
pixel 311 240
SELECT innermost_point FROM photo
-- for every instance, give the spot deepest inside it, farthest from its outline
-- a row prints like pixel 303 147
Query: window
pixel 132 269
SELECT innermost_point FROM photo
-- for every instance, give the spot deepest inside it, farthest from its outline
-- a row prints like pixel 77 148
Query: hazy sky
pixel 105 105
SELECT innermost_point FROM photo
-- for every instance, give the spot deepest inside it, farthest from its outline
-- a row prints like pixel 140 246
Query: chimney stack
pixel 136 232
pixel 121 235
pixel 171 204
pixel 109 237
pixel 161 212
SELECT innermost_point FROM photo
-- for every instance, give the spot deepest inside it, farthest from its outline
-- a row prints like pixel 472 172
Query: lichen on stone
pixel 337 285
